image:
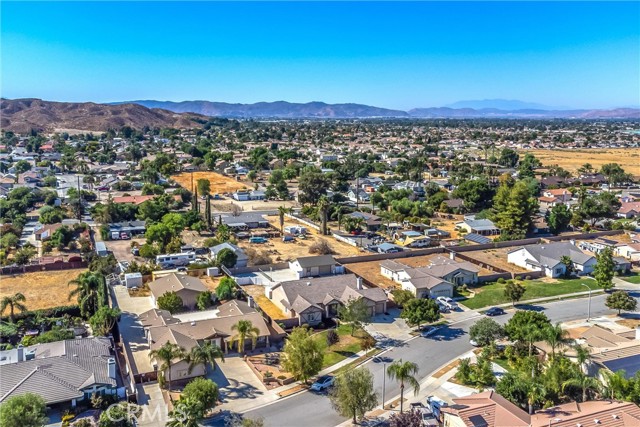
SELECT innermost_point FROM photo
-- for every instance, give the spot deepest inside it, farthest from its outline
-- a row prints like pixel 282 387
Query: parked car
pixel 103 188
pixel 474 343
pixel 323 383
pixel 124 236
pixel 443 308
pixel 258 240
pixel 494 311
pixel 427 331
pixel 448 302
pixel 135 251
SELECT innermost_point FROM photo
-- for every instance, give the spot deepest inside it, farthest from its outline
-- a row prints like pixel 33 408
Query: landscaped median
pixel 493 293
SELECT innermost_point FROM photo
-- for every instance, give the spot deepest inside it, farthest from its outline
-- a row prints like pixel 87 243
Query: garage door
pixel 441 293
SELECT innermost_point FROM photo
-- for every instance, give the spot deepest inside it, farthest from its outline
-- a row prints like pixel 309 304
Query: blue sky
pixel 395 55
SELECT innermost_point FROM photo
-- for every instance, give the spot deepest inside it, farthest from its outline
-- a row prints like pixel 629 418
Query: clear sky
pixel 395 55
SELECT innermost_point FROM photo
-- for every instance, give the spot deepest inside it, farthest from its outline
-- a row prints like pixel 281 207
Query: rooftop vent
pixel 597 421
pixel 615 416
pixel 308 283
pixel 193 323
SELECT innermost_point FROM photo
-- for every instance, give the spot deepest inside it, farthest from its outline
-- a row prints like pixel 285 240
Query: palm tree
pixel 207 353
pixel 404 372
pixel 531 334
pixel 582 355
pixel 535 393
pixel 282 211
pixel 91 292
pixel 14 302
pixel 323 210
pixel 584 383
pixel 244 329
pixel 555 336
pixel 167 354
pixel 615 384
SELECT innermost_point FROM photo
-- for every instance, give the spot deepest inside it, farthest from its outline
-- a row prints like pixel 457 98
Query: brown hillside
pixel 22 115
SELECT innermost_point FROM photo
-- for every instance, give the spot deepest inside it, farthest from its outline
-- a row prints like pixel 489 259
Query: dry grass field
pixel 571 160
pixel 370 271
pixel 496 258
pixel 44 289
pixel 219 183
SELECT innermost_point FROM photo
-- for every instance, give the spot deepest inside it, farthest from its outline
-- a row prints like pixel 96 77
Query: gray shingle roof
pixel 550 254
pixel 315 261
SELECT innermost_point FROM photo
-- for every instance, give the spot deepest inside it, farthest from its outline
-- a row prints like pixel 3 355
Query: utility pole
pixel 79 200
pixel 384 376
pixel 589 304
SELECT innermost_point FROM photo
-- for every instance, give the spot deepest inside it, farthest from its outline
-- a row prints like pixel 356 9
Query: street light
pixel 589 312
pixel 384 371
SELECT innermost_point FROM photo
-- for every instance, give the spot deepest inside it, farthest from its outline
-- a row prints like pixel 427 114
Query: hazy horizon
pixel 389 55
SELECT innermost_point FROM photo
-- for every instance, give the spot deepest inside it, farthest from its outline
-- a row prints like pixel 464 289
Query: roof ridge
pixel 19 383
pixel 56 378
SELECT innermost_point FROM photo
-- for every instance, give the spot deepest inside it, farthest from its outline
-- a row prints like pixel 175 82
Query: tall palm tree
pixel 404 372
pixel 207 353
pixel 535 394
pixel 555 336
pixel 167 354
pixel 244 329
pixel 14 302
pixel 531 334
pixel 323 211
pixel 282 211
pixel 584 383
pixel 615 385
pixel 91 292
pixel 582 355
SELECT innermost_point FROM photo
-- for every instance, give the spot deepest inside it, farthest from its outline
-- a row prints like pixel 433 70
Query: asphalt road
pixel 314 410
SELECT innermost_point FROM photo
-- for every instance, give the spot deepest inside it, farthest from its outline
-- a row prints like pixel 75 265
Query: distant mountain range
pixel 22 115
pixel 290 110
pixel 501 104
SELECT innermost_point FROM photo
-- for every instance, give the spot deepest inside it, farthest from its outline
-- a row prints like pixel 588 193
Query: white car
pixel 427 331
pixel 323 383
pixel 448 302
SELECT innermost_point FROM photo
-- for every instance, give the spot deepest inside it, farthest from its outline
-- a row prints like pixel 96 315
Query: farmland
pixel 219 183
pixel 44 289
pixel 571 160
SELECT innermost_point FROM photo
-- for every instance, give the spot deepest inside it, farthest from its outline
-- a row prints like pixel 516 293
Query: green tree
pixel 323 211
pixel 23 255
pixel 171 302
pixel 514 208
pixel 91 292
pixel 528 165
pixel 555 336
pixel 204 187
pixel 103 320
pixel 420 310
pixel 602 205
pixel 619 300
pixel 13 302
pixel 535 394
pixel 282 211
pixel 223 233
pixel 302 355
pixel 201 390
pixel 404 372
pixel 22 166
pixel 148 251
pixel 186 413
pixel 356 312
pixel 485 331
pixel 204 300
pixel 568 265
pixel 604 269
pixel 353 393
pixel 559 218
pixel 26 410
pixel 526 326
pixel 226 289
pixel 584 383
pixel 312 185
pixel 121 414
pixel 227 257
pixel 244 330
pixel 412 418
pixel 476 194
pixel 166 355
pixel 514 291
pixel 205 353
pixel 508 158
pixel 402 296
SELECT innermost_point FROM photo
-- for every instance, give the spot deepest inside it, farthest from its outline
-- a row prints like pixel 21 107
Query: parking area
pixel 389 327
pixel 121 249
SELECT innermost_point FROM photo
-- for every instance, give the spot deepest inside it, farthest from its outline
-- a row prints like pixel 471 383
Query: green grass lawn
pixel 347 346
pixel 493 293
pixel 632 278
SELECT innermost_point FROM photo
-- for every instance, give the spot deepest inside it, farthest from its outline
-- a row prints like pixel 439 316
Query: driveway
pixel 240 388
pixel 155 411
pixel 391 326
pixel 130 327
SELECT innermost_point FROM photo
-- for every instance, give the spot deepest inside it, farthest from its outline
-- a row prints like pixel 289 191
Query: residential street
pixel 429 353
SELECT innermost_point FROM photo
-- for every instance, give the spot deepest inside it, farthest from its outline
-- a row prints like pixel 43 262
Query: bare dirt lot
pixel 122 249
pixel 44 289
pixel 370 271
pixel 219 183
pixel 496 258
pixel 571 160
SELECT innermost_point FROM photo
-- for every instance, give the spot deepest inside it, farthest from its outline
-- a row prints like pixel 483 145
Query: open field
pixel 571 160
pixel 496 258
pixel 219 183
pixel 493 294
pixel 44 289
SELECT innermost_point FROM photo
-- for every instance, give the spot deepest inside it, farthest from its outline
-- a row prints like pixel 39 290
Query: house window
pixel 558 271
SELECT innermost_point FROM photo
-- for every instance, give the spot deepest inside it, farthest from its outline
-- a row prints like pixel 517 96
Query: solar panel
pixel 630 365
pixel 476 238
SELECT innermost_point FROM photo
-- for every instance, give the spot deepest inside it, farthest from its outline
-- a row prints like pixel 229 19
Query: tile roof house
pixel 612 351
pixel 489 409
pixel 311 300
pixel 187 287
pixel 66 371
pixel 629 210
pixel 546 258
pixel 438 278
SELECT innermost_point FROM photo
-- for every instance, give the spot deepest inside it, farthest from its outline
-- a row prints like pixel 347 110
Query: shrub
pixel 332 337
pixel 527 277
pixel 321 247
pixel 501 280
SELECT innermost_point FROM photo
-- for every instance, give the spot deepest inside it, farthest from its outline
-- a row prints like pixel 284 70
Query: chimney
pixel 452 255
pixel 111 364
pixel 20 350
pixel 359 283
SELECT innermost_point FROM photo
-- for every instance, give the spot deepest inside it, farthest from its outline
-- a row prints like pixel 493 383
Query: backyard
pixel 493 293
pixel 46 289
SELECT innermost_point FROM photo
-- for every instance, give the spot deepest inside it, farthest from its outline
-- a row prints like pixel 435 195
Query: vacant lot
pixel 571 160
pixel 496 258
pixel 44 289
pixel 370 271
pixel 493 294
pixel 219 183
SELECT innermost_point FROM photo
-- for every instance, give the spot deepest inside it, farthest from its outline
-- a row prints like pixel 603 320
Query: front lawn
pixel 347 346
pixel 493 293
pixel 631 278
